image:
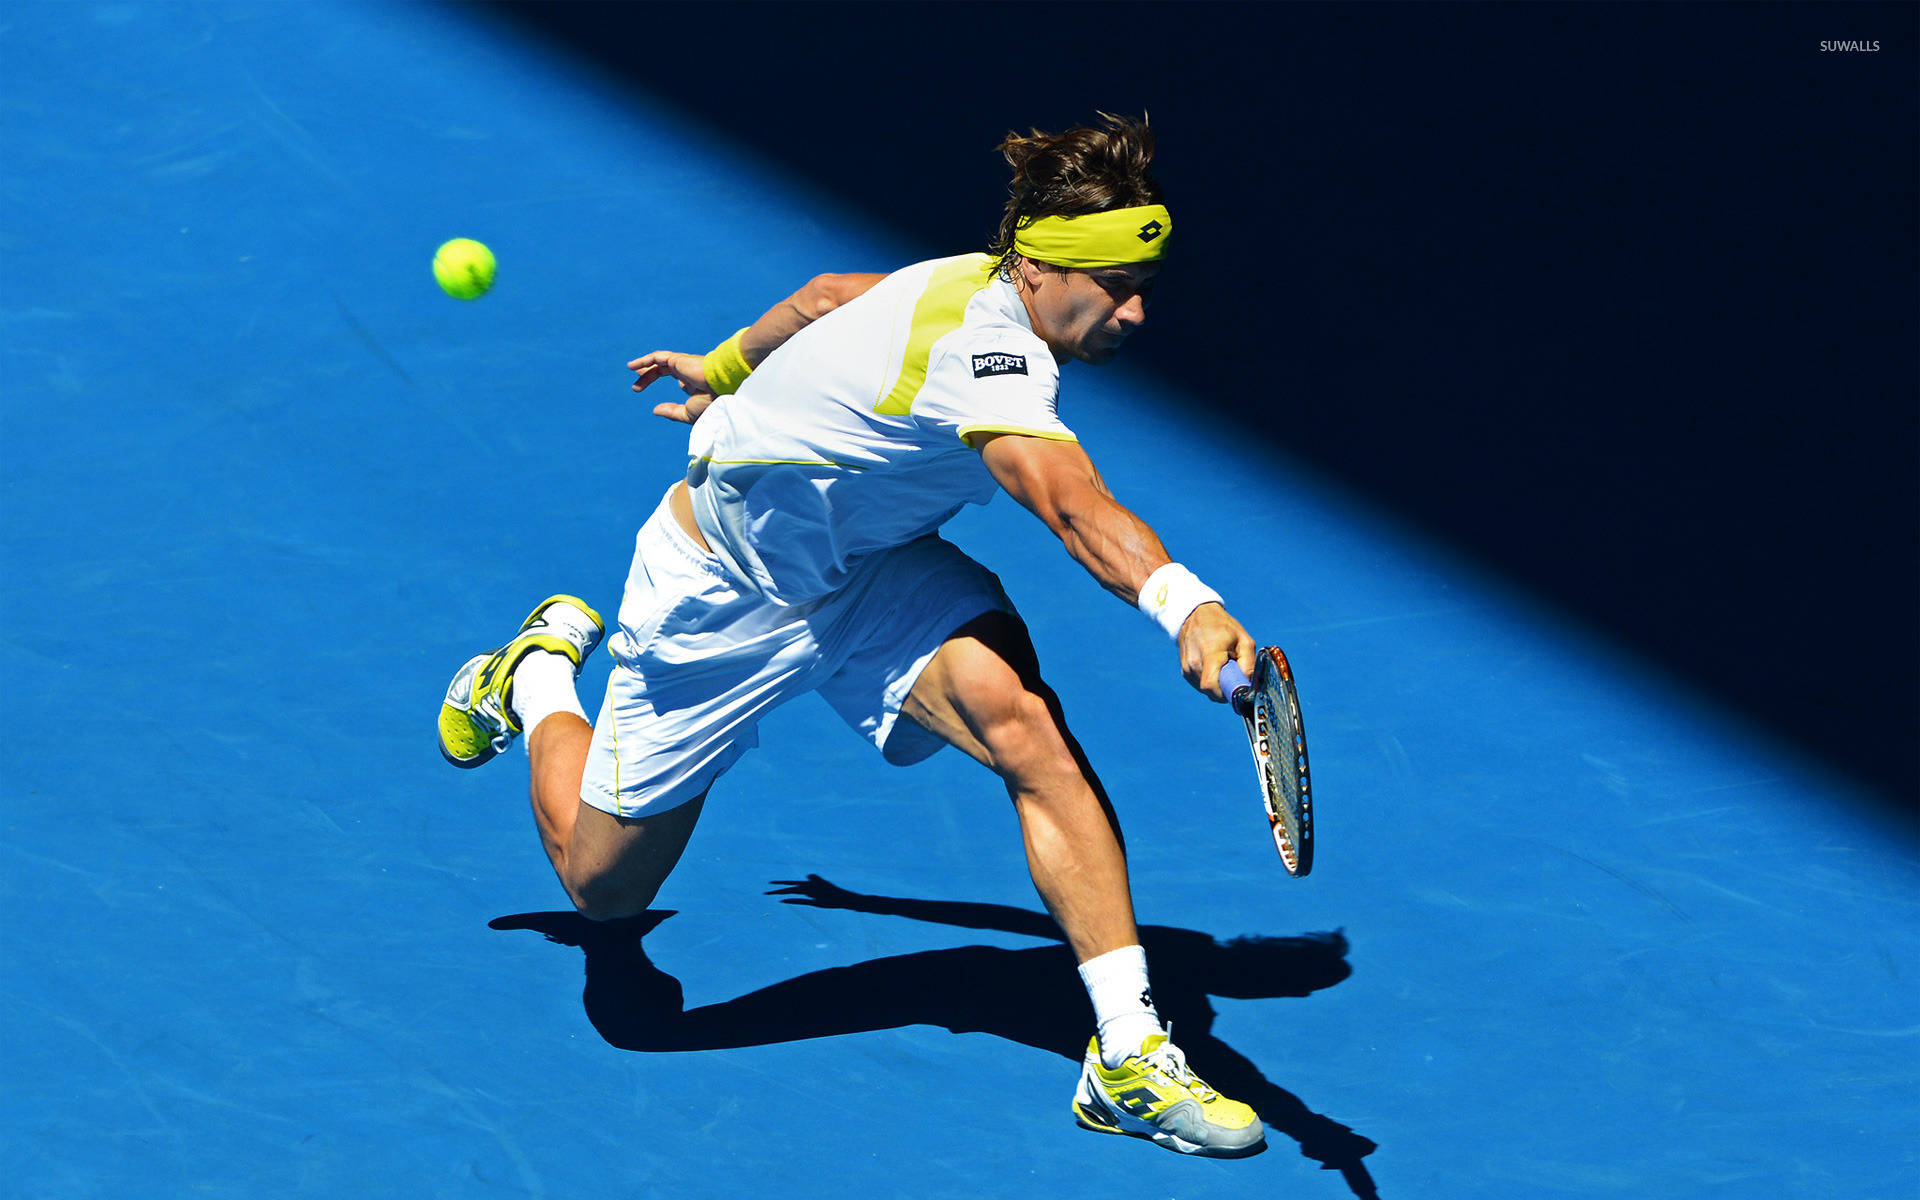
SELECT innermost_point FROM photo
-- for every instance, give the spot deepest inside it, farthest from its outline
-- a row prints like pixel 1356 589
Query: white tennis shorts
pixel 700 657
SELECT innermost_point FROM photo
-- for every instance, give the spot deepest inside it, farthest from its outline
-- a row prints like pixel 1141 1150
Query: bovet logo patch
pixel 998 364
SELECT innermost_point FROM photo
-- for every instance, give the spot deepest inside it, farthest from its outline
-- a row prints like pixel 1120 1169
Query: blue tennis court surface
pixel 1572 932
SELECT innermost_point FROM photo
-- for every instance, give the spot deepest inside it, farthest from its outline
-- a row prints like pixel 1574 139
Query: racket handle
pixel 1236 687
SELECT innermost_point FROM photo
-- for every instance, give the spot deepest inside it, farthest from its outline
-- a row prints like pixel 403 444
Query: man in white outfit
pixel 831 439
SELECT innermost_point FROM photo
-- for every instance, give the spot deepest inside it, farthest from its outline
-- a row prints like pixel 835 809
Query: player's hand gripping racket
pixel 1271 709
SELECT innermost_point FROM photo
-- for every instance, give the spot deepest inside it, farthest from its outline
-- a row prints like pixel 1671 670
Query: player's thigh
pixel 615 865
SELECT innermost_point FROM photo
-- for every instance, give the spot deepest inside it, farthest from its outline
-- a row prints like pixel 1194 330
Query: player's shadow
pixel 1031 996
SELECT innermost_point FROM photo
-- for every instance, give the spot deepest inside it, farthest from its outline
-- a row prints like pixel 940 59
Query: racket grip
pixel 1236 687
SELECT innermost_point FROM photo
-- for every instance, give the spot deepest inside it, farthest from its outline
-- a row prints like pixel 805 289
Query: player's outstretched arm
pixel 820 296
pixel 1058 483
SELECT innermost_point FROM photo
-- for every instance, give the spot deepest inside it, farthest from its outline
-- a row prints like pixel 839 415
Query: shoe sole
pixel 448 713
pixel 1088 1117
pixel 468 764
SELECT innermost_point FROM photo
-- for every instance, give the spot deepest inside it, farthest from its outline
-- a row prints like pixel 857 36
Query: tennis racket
pixel 1271 708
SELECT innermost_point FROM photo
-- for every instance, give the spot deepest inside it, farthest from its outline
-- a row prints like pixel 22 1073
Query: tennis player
pixel 830 441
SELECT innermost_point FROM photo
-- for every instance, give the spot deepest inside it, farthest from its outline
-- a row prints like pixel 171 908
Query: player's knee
pixel 1024 736
pixel 607 897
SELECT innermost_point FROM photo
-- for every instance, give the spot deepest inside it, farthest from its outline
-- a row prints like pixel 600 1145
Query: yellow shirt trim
pixel 967 432
pixel 778 462
pixel 938 312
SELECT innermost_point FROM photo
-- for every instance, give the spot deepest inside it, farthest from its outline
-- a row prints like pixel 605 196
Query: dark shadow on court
pixel 1616 299
pixel 1031 996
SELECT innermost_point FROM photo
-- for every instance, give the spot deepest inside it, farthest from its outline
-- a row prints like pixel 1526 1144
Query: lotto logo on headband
pixel 985 365
pixel 1150 231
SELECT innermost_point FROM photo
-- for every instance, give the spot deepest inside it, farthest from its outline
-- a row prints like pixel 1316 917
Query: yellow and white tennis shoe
pixel 1154 1094
pixel 476 719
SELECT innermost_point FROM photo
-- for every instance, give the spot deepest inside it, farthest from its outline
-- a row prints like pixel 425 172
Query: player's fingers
pixel 1208 640
pixel 1241 651
pixel 1246 652
pixel 1213 689
pixel 1203 672
pixel 673 412
pixel 651 367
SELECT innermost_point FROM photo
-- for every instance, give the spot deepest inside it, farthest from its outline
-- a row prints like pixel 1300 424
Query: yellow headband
pixel 1104 239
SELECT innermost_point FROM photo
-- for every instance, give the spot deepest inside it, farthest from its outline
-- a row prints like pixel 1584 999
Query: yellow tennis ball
pixel 464 268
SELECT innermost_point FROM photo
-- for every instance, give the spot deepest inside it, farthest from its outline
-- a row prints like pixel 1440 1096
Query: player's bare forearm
pixel 820 296
pixel 1059 484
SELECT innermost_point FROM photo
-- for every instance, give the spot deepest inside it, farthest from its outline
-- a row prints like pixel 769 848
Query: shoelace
pixel 1170 1061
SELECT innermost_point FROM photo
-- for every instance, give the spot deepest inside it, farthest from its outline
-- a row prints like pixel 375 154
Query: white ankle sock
pixel 1122 1002
pixel 542 686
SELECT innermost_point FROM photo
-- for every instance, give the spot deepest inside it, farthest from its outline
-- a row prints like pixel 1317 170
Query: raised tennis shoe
pixel 1154 1094
pixel 476 719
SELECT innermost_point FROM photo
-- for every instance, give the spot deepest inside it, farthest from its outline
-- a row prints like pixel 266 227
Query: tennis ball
pixel 464 268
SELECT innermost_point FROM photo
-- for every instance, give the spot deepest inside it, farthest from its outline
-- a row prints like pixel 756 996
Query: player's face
pixel 1086 314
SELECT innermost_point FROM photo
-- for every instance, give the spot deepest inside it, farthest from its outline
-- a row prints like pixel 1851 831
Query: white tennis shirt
pixel 853 437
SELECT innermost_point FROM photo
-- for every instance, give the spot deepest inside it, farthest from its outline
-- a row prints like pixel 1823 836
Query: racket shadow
pixel 1031 996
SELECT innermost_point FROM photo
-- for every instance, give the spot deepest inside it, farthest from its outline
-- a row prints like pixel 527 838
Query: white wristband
pixel 1170 595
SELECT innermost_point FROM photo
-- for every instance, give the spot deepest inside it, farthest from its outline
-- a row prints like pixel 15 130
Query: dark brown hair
pixel 1087 169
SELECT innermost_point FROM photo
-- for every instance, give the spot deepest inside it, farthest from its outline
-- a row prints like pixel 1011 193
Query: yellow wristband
pixel 727 368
